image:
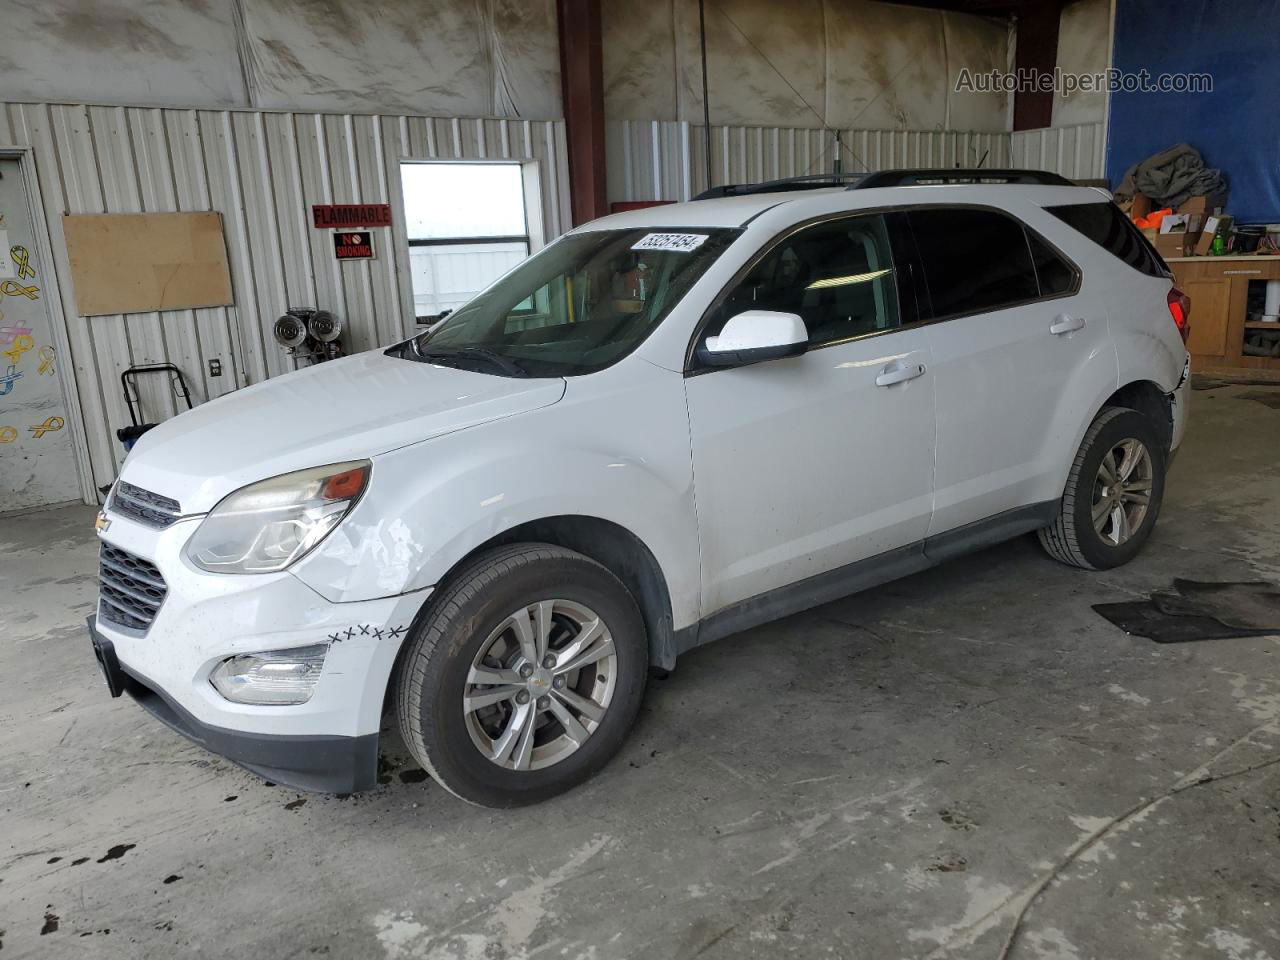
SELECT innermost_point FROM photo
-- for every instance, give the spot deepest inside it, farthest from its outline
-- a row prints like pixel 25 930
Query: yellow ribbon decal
pixel 21 344
pixel 53 423
pixel 8 434
pixel 46 362
pixel 20 257
pixel 14 289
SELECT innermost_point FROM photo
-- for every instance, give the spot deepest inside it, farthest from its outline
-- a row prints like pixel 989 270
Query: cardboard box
pixel 1175 244
pixel 1180 223
pixel 1141 206
pixel 1206 205
pixel 1212 227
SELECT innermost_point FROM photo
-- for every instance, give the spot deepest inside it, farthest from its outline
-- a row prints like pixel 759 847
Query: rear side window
pixel 1055 274
pixel 1108 227
pixel 975 261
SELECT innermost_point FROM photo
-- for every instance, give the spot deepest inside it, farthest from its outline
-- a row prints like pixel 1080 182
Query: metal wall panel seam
pixel 72 187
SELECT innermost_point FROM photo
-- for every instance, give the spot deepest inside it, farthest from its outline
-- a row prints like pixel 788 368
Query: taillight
pixel 1180 310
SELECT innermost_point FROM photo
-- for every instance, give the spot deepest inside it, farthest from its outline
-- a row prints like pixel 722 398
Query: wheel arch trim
pixel 612 545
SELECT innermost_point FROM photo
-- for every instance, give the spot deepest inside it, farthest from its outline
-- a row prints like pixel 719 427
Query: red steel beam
pixel 582 86
pixel 1036 47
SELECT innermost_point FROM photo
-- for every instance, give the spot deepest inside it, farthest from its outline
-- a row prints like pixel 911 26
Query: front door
pixel 806 464
pixel 37 460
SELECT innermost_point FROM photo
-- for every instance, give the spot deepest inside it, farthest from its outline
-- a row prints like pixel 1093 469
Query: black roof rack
pixel 814 181
pixel 888 178
pixel 920 178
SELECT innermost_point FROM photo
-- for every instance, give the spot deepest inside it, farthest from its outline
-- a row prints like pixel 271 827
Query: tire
pixel 1074 538
pixel 474 624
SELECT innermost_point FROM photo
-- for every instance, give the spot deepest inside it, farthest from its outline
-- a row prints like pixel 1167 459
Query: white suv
pixel 669 425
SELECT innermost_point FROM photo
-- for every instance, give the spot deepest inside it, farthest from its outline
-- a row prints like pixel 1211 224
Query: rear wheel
pixel 525 677
pixel 1113 493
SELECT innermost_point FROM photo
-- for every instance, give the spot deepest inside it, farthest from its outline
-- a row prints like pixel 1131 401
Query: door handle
pixel 899 373
pixel 1065 324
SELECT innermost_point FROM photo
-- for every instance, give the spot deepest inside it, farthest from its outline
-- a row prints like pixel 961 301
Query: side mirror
pixel 756 335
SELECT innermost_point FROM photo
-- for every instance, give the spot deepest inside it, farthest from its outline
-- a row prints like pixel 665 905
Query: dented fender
pixel 431 504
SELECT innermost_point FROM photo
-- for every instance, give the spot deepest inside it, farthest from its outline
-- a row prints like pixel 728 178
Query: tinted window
pixel 974 260
pixel 838 276
pixel 1108 227
pixel 1056 276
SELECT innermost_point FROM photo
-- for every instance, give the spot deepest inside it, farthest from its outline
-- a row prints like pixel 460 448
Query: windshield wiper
pixel 506 364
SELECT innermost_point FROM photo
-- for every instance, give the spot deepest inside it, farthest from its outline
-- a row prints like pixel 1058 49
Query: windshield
pixel 578 306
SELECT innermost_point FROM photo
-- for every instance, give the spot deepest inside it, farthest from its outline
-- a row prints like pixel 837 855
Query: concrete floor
pixel 899 774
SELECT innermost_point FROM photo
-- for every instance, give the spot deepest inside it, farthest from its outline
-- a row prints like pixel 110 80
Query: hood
pixel 346 409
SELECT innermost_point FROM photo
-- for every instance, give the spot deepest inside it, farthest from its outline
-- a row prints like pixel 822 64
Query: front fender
pixel 615 448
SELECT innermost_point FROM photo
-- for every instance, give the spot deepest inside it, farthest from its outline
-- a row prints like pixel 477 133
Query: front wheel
pixel 525 677
pixel 1113 493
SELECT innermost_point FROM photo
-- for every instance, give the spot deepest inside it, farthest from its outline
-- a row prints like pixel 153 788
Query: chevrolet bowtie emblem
pixel 102 523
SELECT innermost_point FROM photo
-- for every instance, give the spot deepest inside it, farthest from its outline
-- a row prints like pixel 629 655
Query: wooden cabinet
pixel 1219 292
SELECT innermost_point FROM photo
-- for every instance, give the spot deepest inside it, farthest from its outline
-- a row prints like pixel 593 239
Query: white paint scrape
pixel 1128 695
pixel 509 925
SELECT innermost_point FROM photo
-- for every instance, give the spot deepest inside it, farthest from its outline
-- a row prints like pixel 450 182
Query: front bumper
pixel 328 743
pixel 324 764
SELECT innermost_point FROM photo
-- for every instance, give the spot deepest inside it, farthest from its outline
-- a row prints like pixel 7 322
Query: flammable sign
pixel 353 244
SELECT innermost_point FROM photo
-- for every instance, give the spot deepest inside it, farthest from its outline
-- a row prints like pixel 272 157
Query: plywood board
pixel 139 262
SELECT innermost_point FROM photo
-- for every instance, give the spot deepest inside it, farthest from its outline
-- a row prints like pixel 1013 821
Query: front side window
pixel 838 276
pixel 975 261
pixel 576 307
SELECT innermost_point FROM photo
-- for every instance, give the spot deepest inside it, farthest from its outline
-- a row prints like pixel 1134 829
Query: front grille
pixel 144 506
pixel 131 589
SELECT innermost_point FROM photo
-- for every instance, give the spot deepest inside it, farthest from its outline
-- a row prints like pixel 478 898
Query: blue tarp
pixel 1236 126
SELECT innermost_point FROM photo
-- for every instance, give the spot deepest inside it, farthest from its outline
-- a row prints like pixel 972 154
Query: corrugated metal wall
pixel 262 171
pixel 1078 151
pixel 665 160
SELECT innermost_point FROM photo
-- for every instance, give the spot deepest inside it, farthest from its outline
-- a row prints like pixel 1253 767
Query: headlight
pixel 266 526
pixel 275 677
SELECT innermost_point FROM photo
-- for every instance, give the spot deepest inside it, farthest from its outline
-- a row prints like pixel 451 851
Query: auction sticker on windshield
pixel 678 242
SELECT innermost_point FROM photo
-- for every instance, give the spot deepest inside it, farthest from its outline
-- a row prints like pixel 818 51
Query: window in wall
pixel 974 260
pixel 467 227
pixel 837 276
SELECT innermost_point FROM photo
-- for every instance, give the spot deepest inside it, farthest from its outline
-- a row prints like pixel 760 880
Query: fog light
pixel 272 677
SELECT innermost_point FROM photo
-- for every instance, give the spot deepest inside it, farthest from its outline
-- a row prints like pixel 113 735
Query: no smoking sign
pixel 353 244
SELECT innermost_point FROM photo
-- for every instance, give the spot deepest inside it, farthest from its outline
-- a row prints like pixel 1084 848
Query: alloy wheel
pixel 1122 491
pixel 540 684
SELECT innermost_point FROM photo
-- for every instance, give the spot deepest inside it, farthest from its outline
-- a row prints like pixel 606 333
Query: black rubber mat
pixel 1196 610
pixel 1269 397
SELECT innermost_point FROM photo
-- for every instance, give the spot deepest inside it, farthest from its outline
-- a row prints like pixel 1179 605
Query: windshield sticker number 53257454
pixel 676 242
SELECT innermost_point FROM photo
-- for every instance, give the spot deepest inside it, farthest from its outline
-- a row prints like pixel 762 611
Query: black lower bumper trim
pixel 321 764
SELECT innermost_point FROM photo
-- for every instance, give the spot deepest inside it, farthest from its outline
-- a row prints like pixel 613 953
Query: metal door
pixel 37 459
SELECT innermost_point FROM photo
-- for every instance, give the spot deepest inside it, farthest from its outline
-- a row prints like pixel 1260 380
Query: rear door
pixel 1011 332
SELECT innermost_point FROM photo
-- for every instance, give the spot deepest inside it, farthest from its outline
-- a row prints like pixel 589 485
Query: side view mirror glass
pixel 756 335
